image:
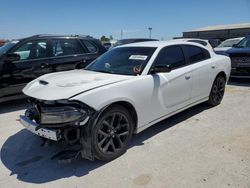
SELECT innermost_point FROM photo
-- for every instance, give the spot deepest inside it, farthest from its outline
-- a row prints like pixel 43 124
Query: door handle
pixel 43 65
pixel 187 77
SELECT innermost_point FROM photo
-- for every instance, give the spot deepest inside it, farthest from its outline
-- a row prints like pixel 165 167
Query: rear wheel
pixel 112 133
pixel 217 91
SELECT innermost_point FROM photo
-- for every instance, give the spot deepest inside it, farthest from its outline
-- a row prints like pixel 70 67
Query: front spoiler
pixel 43 132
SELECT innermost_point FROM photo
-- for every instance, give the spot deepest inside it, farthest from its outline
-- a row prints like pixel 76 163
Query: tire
pixel 112 133
pixel 217 91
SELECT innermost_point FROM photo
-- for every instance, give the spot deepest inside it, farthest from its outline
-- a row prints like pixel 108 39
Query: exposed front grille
pixel 241 59
pixel 243 62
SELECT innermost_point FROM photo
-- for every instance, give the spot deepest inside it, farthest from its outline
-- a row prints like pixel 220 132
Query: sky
pixel 168 18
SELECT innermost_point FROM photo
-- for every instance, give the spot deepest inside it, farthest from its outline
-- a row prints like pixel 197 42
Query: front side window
pixel 171 56
pixel 32 50
pixel 196 54
pixel 125 60
pixel 64 47
pixel 7 46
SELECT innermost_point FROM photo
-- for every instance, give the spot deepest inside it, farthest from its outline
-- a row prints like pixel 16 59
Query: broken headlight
pixel 62 114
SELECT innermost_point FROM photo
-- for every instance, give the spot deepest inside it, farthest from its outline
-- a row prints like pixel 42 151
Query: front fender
pixel 137 92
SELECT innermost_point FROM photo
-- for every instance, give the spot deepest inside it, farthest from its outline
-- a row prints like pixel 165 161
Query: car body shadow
pixel 11 106
pixel 30 162
pixel 244 82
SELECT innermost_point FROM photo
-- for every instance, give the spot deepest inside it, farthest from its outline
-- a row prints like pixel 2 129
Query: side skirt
pixel 141 128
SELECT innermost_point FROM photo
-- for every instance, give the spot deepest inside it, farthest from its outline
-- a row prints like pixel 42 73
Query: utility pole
pixel 150 30
pixel 121 34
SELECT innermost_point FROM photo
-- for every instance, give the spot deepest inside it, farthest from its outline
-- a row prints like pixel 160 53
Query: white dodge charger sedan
pixel 126 90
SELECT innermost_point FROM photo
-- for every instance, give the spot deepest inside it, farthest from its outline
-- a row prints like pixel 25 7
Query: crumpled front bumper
pixel 42 132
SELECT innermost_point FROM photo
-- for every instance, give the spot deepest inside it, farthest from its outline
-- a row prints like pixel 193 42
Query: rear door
pixel 203 71
pixel 33 63
pixel 67 54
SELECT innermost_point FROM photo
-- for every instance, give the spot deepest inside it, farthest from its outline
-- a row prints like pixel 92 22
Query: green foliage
pixel 104 39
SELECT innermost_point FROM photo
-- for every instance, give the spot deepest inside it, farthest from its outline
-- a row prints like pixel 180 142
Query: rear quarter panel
pixel 223 64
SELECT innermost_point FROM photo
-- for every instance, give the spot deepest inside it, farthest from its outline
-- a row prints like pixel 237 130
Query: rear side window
pixel 171 56
pixel 63 47
pixel 91 47
pixel 196 54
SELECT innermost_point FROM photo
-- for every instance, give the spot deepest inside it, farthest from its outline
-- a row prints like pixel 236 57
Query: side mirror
pixel 234 46
pixel 161 68
pixel 12 57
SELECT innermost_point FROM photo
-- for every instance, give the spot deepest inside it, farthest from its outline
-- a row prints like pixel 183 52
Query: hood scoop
pixel 43 82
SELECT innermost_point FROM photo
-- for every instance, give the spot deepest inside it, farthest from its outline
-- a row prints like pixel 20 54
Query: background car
pixel 2 42
pixel 196 40
pixel 125 91
pixel 227 44
pixel 214 42
pixel 133 40
pixel 107 45
pixel 240 58
pixel 24 60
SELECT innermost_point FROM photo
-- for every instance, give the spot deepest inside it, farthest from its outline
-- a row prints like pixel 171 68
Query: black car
pixel 26 59
pixel 240 58
pixel 127 41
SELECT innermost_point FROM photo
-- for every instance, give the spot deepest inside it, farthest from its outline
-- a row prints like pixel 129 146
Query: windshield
pixel 228 43
pixel 125 60
pixel 245 43
pixel 6 47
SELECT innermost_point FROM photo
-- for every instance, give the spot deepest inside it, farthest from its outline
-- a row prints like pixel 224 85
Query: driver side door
pixel 33 62
pixel 172 89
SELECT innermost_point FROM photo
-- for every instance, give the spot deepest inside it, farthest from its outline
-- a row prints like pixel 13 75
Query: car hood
pixel 64 85
pixel 239 51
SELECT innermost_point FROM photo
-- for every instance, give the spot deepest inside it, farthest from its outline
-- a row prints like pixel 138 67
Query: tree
pixel 104 39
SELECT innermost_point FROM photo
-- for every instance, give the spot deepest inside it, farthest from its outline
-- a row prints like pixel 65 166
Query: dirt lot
pixel 201 147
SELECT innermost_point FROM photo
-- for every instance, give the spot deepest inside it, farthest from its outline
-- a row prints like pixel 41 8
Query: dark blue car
pixel 240 58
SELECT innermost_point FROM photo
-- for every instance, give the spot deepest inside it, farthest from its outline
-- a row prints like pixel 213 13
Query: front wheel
pixel 217 91
pixel 112 133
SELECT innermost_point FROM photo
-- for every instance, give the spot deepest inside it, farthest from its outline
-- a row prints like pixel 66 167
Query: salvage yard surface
pixel 200 147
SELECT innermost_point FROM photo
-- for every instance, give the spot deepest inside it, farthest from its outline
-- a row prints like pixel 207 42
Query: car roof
pixel 159 44
pixel 134 39
pixel 39 36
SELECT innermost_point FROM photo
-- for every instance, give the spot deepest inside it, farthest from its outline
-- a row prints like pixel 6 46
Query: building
pixel 220 32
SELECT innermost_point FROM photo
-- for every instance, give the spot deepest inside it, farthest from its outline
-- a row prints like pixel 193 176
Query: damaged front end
pixel 62 120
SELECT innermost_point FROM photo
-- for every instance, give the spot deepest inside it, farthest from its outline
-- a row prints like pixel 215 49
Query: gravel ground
pixel 200 147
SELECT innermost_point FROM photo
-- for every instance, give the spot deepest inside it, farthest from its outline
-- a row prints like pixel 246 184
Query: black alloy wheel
pixel 112 133
pixel 217 91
